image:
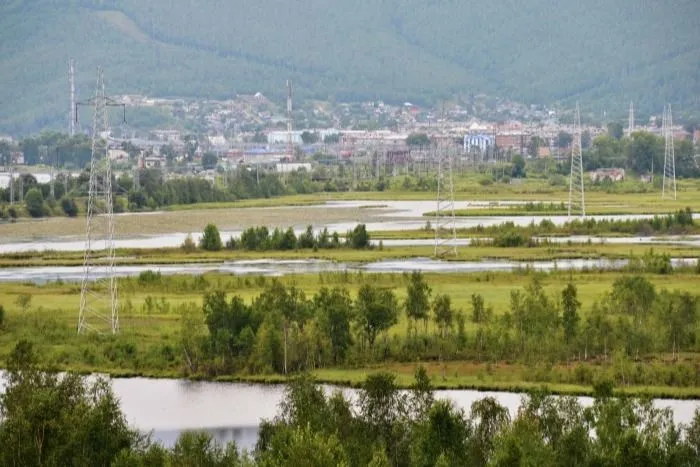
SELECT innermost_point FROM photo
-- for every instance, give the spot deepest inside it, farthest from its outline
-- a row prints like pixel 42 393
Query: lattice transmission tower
pixel 99 305
pixel 445 228
pixel 630 122
pixel 668 189
pixel 577 203
pixel 73 124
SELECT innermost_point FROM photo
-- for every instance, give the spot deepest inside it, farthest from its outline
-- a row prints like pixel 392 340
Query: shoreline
pixel 516 387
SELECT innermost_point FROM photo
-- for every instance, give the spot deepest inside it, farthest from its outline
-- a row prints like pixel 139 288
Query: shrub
pixel 359 237
pixel 188 245
pixel 149 277
pixel 34 201
pixel 2 316
pixel 557 180
pixel 70 208
pixel 211 240
pixel 510 239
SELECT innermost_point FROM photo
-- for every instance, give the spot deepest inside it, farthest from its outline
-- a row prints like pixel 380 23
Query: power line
pixel 577 202
pixel 99 305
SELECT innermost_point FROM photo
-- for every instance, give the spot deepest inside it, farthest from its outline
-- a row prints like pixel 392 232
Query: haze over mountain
pixel 601 52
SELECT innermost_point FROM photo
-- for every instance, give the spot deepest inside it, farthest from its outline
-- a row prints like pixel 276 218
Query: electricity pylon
pixel 99 307
pixel 577 202
pixel 630 122
pixel 445 228
pixel 12 186
pixel 668 189
pixel 71 82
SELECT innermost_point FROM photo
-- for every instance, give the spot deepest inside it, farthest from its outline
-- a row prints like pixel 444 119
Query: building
pixel 613 174
pixel 117 155
pixel 291 167
pixel 479 142
pixel 153 162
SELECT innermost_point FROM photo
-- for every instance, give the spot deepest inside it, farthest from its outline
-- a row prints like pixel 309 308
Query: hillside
pixel 541 51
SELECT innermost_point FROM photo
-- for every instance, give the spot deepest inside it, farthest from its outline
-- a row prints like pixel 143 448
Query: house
pixel 292 167
pixel 153 162
pixel 17 157
pixel 117 155
pixel 614 175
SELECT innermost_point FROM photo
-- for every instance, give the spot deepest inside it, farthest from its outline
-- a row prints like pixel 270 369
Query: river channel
pixel 385 216
pixel 274 267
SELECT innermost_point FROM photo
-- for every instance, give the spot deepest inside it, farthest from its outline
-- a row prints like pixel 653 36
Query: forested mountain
pixel 604 53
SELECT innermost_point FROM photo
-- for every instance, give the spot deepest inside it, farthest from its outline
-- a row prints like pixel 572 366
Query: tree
pixel 24 301
pixel 334 310
pixel 308 137
pixel 209 160
pixel 359 237
pixel 417 304
pixel 191 145
pixel 290 305
pixel 200 449
pixel 686 164
pixel 333 138
pixel 34 202
pixel 53 419
pixel 306 239
pixel 376 311
pixel 191 334
pixel 69 206
pixel 534 145
pixel 564 139
pixel 417 139
pixel 168 151
pixel 479 314
pixel 260 137
pixel 570 317
pixel 443 313
pixel 211 240
pixel 615 130
pixel 586 139
pixel 188 245
pixel 2 316
pixel 644 152
pixel 518 170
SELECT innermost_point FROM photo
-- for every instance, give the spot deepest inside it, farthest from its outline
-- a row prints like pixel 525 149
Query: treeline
pixel 641 153
pixel 51 419
pixel 680 222
pixel 282 330
pixel 261 239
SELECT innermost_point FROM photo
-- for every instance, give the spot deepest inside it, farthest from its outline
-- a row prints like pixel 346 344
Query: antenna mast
pixel 576 194
pixel 668 189
pixel 445 229
pixel 98 298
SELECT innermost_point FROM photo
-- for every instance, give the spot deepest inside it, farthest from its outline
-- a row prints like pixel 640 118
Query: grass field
pixel 626 198
pixel 148 344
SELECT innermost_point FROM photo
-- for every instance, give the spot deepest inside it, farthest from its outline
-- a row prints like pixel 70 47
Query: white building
pixel 291 167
